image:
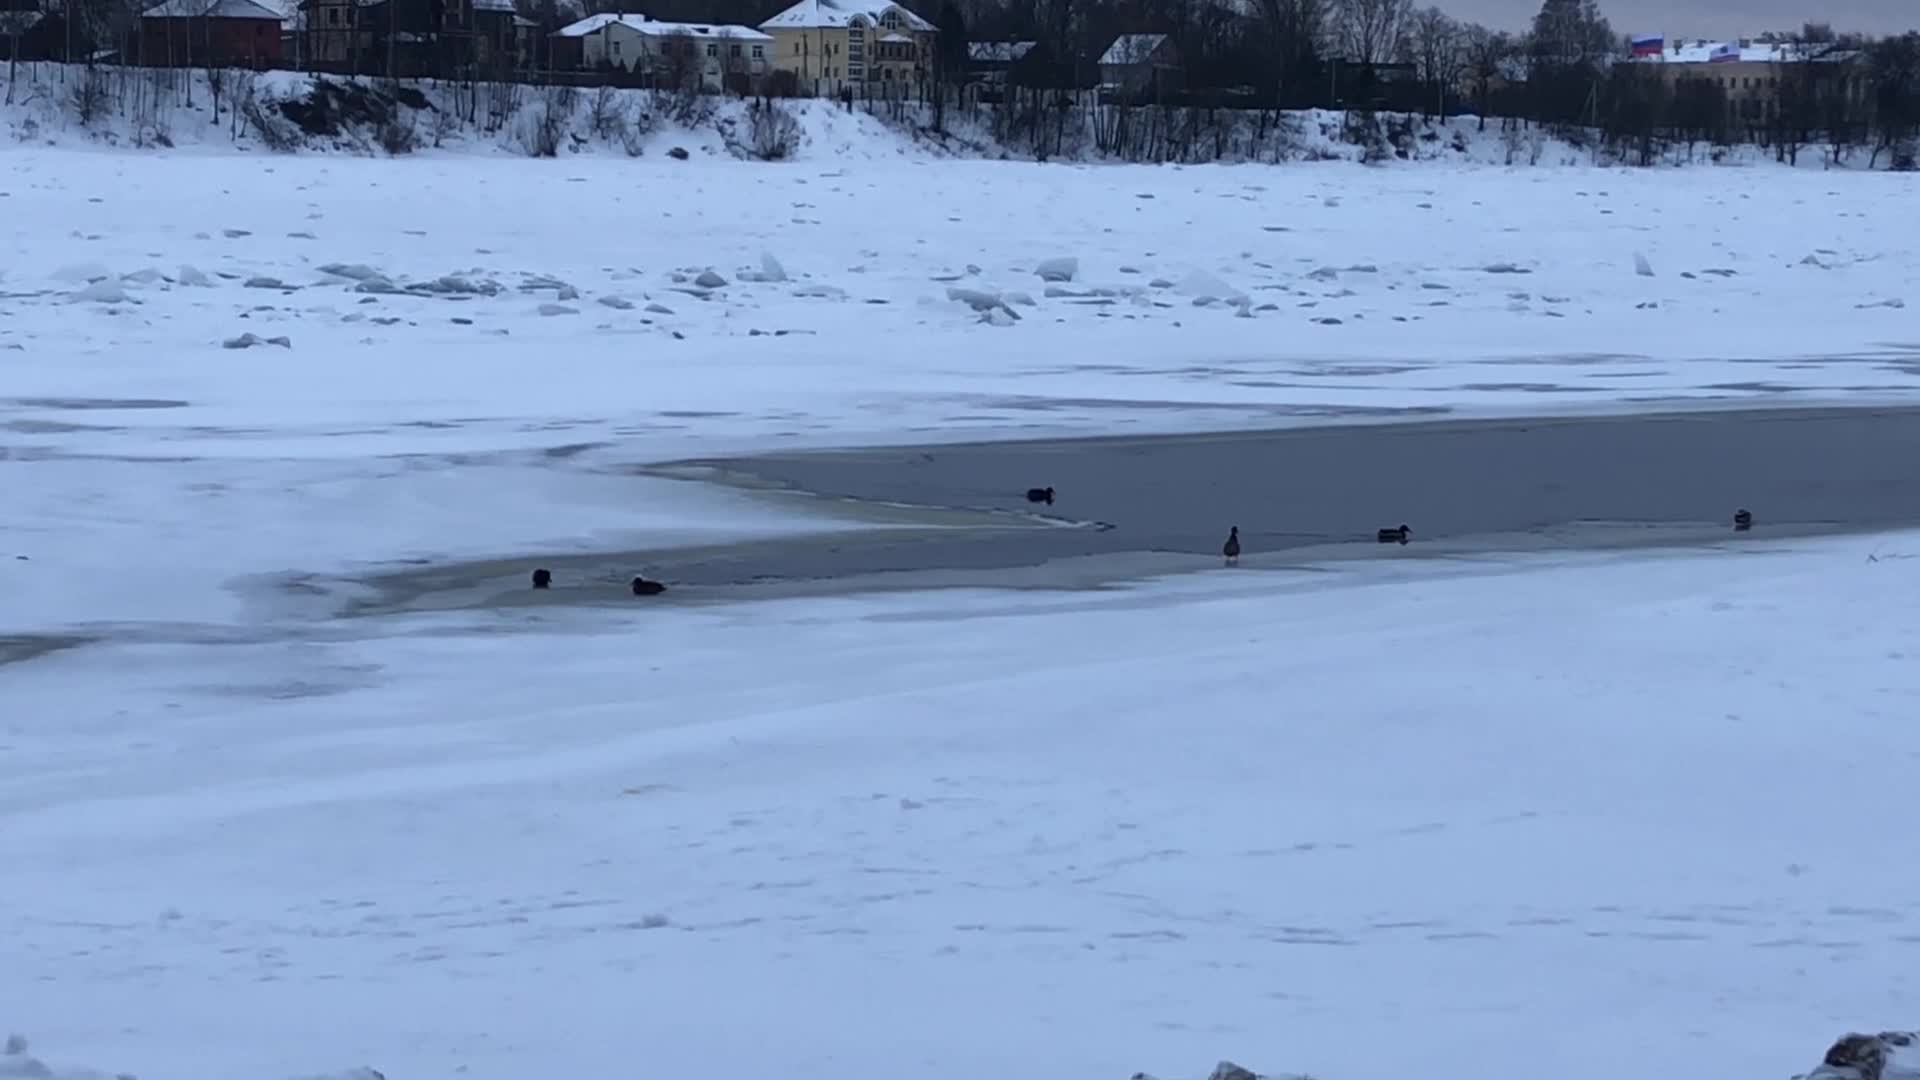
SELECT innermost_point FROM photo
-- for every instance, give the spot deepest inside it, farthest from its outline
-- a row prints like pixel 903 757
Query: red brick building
pixel 196 33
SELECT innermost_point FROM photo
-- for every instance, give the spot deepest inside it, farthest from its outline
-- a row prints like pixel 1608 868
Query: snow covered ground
pixel 1593 812
pixel 1508 818
pixel 543 325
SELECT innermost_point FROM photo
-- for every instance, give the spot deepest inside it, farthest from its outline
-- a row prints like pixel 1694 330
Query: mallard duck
pixel 1396 536
pixel 1231 549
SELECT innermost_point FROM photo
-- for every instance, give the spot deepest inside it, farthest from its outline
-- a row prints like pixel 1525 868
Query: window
pixel 333 16
pixel 615 46
pixel 856 53
pixel 796 48
pixel 891 20
pixel 759 52
pixel 733 50
pixel 712 49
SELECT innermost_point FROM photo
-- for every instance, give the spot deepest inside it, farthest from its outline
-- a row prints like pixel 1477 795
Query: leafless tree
pixel 678 72
pixel 605 116
pixel 216 83
pixel 1485 53
pixel 1435 43
pixel 1295 32
pixel 772 131
pixel 1372 31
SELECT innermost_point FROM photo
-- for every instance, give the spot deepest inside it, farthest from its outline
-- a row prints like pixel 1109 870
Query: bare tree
pixel 1569 53
pixel 1894 63
pixel 1485 54
pixel 15 27
pixel 1372 31
pixel 679 72
pixel 1296 32
pixel 216 82
pixel 1436 44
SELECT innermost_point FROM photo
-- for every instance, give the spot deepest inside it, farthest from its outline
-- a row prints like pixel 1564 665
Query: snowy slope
pixel 155 109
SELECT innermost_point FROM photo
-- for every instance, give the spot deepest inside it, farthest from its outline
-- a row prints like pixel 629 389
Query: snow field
pixel 1591 811
pixel 544 317
pixel 1588 811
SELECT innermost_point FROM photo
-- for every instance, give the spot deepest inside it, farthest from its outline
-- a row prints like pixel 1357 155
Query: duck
pixel 1396 536
pixel 1040 495
pixel 542 578
pixel 1231 549
pixel 1742 521
pixel 643 587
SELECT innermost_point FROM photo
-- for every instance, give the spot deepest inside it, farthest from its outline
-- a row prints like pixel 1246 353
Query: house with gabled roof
pixel 225 33
pixel 857 46
pixel 416 37
pixel 673 53
pixel 1140 63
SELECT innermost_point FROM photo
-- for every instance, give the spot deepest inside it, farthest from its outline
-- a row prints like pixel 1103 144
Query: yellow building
pixel 862 46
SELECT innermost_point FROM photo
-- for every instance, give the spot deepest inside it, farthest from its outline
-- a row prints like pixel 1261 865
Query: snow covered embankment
pixel 17 1064
pixel 1890 1055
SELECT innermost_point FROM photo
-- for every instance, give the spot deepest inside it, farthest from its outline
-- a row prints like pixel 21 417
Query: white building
pixel 666 50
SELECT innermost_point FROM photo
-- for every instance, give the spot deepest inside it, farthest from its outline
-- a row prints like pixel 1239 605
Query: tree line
pixel 1563 73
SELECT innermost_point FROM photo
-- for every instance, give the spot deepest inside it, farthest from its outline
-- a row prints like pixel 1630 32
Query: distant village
pixel 1784 88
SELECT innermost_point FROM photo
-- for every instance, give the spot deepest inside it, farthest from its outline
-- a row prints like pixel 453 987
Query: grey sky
pixel 1707 18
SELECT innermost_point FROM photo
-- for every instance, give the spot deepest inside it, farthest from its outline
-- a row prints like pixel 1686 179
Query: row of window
pixel 856 48
pixel 1731 82
pixel 713 49
pixel 1744 82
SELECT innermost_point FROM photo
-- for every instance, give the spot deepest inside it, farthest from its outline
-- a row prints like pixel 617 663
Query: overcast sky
pixel 1707 18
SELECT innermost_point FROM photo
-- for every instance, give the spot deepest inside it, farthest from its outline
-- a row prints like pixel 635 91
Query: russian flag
pixel 1648 44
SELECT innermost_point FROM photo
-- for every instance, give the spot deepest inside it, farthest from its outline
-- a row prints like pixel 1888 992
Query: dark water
pixel 1843 468
pixel 1129 506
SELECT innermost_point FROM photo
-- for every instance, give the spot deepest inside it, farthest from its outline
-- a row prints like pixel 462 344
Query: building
pixel 670 54
pixel 1749 72
pixel 202 33
pixel 415 37
pixel 1138 64
pixel 852 46
pixel 502 38
pixel 29 32
pixel 333 35
pixel 992 63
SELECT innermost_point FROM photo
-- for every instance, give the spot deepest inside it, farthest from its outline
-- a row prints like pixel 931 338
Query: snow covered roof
pixel 821 14
pixel 896 39
pixel 593 24
pixel 505 6
pixel 1701 51
pixel 1132 48
pixel 997 52
pixel 640 24
pixel 212 9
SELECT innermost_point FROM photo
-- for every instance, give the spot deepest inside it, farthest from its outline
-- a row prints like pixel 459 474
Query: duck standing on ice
pixel 1231 549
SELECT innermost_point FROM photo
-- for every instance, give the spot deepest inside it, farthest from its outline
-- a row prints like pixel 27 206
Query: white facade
pixel 637 43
